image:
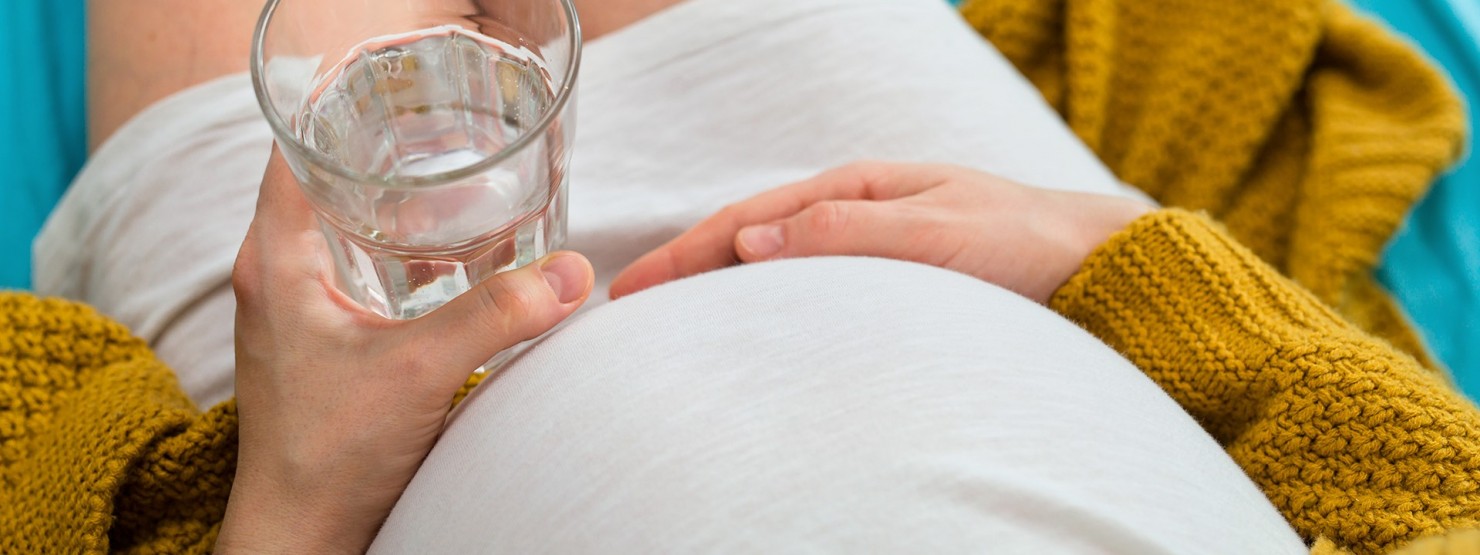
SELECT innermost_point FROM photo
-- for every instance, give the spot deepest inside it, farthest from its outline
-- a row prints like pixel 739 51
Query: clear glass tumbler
pixel 431 136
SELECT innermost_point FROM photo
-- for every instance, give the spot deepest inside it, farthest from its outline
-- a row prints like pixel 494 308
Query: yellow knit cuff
pixel 1349 438
pixel 1172 264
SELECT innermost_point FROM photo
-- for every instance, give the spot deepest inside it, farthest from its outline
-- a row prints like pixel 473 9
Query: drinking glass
pixel 432 137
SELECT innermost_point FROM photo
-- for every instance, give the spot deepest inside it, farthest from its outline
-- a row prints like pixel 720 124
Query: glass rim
pixel 281 130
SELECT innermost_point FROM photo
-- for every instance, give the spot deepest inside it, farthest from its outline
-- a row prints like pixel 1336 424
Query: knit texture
pixel 1463 542
pixel 1351 440
pixel 1306 129
pixel 100 450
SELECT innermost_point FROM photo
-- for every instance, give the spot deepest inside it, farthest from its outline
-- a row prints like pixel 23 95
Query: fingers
pixel 830 228
pixel 709 245
pixel 502 311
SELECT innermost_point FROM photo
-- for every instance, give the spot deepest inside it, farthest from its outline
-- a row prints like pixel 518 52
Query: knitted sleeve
pixel 1352 440
pixel 100 450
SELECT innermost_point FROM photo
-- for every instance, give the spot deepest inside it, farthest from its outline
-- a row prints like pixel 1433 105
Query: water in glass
pixel 424 104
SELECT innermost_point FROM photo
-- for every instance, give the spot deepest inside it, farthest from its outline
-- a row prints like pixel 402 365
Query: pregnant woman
pixel 806 352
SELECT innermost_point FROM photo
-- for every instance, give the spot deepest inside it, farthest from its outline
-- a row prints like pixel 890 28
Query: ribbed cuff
pixel 1199 313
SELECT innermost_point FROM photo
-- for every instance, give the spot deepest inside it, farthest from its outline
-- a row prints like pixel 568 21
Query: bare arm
pixel 141 52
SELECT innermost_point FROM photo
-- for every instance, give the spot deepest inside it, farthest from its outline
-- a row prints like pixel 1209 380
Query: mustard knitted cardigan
pixel 1307 131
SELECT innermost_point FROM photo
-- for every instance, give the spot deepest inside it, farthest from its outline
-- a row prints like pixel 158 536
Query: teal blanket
pixel 42 115
pixel 1433 266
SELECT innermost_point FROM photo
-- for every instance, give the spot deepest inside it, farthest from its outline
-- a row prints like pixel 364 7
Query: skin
pixel 142 52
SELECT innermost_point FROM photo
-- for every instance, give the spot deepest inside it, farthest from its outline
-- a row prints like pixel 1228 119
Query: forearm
pixel 1350 438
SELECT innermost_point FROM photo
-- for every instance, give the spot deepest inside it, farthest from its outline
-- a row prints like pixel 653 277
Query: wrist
pixel 1089 223
pixel 264 516
pixel 1112 216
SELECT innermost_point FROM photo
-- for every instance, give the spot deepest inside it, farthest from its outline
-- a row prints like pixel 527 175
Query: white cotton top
pixel 957 418
pixel 701 105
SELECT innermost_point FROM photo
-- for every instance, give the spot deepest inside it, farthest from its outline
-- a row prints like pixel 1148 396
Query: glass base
pixel 404 285
pixel 498 361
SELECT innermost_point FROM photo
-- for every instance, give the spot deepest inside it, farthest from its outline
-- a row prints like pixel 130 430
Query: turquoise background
pixel 1433 266
pixel 43 123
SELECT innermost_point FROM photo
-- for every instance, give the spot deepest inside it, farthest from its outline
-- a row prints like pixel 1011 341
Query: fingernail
pixel 763 241
pixel 566 275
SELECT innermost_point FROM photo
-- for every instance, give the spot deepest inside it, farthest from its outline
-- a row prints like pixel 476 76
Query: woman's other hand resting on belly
pixel 339 406
pixel 1025 239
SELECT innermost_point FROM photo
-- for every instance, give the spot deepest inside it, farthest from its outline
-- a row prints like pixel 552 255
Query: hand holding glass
pixel 432 138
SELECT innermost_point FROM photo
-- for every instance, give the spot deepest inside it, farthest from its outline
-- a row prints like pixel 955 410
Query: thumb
pixel 829 228
pixel 504 310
